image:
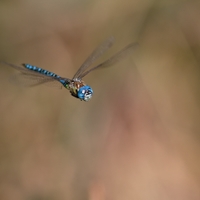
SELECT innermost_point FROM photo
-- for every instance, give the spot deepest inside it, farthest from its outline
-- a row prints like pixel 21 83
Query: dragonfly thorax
pixel 79 90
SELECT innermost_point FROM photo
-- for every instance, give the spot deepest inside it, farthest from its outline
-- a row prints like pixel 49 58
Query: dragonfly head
pixel 85 93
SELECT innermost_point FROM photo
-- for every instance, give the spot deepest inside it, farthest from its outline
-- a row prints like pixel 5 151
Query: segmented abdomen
pixel 41 71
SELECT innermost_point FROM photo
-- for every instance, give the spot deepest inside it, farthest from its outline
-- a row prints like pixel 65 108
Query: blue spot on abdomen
pixel 41 71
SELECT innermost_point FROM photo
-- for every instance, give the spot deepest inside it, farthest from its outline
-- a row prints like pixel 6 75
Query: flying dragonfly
pixel 76 85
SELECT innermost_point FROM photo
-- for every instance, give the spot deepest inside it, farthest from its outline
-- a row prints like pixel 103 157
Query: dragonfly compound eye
pixel 85 93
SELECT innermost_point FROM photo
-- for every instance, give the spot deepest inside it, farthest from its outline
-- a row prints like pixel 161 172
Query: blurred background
pixel 138 137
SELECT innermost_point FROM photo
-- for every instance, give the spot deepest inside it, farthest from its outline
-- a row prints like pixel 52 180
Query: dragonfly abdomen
pixel 40 70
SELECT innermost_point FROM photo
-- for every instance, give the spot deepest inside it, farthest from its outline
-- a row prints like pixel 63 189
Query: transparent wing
pixel 27 80
pixel 112 60
pixel 31 78
pixel 95 54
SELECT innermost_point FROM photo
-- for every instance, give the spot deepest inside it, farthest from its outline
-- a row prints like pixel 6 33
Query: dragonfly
pixel 76 85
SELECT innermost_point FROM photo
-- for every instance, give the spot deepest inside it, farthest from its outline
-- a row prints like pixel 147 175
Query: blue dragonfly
pixel 76 85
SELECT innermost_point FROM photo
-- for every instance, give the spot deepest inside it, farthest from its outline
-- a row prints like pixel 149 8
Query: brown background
pixel 139 136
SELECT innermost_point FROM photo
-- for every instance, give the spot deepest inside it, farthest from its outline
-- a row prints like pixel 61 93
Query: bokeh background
pixel 138 137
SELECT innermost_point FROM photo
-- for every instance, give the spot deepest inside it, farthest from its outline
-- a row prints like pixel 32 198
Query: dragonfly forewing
pixel 95 55
pixel 114 59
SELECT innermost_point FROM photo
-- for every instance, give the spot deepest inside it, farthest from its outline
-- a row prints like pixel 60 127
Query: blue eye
pixel 85 93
